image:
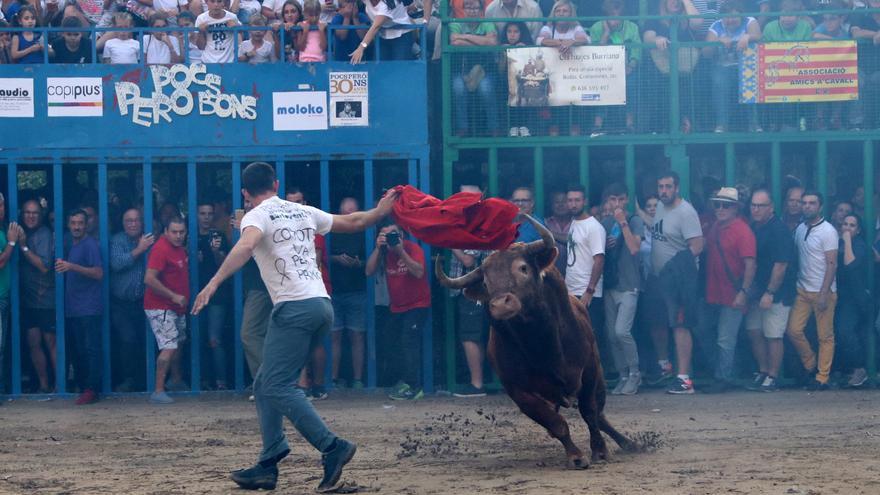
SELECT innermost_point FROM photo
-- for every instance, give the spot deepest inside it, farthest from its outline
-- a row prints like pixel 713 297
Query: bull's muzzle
pixel 505 306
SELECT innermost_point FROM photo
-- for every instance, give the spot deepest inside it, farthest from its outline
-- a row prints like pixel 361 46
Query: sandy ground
pixel 791 442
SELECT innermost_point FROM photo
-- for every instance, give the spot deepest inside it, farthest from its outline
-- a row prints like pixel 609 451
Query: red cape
pixel 462 221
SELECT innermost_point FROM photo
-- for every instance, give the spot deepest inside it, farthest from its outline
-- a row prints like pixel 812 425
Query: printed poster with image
pixel 16 97
pixel 349 99
pixel 543 76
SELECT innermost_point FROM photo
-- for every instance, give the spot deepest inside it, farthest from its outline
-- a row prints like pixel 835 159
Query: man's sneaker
pixel 407 394
pixel 666 373
pixel 251 398
pixel 858 378
pixel 769 385
pixel 357 385
pixel 470 391
pixel 631 386
pixel 317 393
pixel 524 132
pixel 514 132
pixel 817 386
pixel 256 477
pixel 333 462
pixel 680 386
pixel 619 387
pixel 87 397
pixel 757 382
pixel 160 398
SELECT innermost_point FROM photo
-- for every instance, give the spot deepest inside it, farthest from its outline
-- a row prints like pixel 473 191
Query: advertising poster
pixel 800 72
pixel 299 111
pixel 75 96
pixel 587 75
pixel 16 97
pixel 349 99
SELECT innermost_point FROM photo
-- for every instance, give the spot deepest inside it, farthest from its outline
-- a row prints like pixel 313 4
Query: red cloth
pixel 737 242
pixel 462 221
pixel 172 264
pixel 405 291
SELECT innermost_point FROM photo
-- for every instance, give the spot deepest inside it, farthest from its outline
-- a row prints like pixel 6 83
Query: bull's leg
pixel 589 410
pixel 621 440
pixel 543 413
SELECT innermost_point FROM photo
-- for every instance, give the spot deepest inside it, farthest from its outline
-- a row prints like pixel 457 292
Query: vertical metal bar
pixel 104 238
pixel 424 177
pixel 237 294
pixel 58 228
pixel 325 205
pixel 868 169
pixel 149 339
pixel 674 96
pixel 729 164
pixel 448 308
pixel 539 181
pixel 427 336
pixel 195 345
pixel 281 174
pixel 493 172
pixel 14 293
pixel 776 179
pixel 584 167
pixel 369 240
pixel 822 171
pixel 630 173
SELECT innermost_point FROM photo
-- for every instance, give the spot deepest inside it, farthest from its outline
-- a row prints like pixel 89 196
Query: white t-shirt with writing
pixel 286 251
pixel 219 48
pixel 812 244
pixel 586 239
pixel 122 51
pixel 157 50
pixel 265 53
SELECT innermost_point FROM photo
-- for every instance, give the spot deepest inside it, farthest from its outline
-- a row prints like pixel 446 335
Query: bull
pixel 541 341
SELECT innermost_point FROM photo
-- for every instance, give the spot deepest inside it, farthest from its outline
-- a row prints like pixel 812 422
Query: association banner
pixel 585 75
pixel 810 71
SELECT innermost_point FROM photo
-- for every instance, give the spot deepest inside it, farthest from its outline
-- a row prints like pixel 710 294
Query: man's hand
pixel 620 216
pixel 822 302
pixel 179 300
pixel 398 248
pixel 203 298
pixel 12 232
pixel 62 266
pixel 231 23
pixel 387 202
pixel 381 241
pixel 661 42
pixel 215 243
pixel 766 301
pixel 610 242
pixel 726 41
pixel 145 242
pixel 586 299
pixel 739 302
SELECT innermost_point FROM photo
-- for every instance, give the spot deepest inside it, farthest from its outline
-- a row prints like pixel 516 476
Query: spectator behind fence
pixel 471 75
pixel 118 46
pixel 165 302
pixel 212 249
pixel 817 243
pixel 37 245
pixel 619 32
pixel 773 291
pixel 730 272
pixel 524 199
pixel 347 40
pixel 866 29
pixel 852 317
pixel 514 35
pixel 515 9
pixel 72 47
pixel 397 44
pixel 794 213
pixel 218 22
pixel 311 41
pixel 734 33
pixel 347 260
pixel 403 262
pixel 562 35
pixel 291 14
pixel 128 266
pixel 558 225
pixel 27 46
pixel 830 114
pixel 586 256
pixel 186 19
pixel 789 27
pixel 622 282
pixel 8 240
pixel 257 49
pixel 83 306
pixel 161 47
pixel 839 211
pixel 5 44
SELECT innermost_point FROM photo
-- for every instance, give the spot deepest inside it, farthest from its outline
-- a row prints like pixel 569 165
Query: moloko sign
pixel 174 88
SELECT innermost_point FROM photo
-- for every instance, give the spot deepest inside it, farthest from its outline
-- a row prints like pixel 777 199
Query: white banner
pixel 16 97
pixel 75 96
pixel 299 111
pixel 349 99
pixel 586 75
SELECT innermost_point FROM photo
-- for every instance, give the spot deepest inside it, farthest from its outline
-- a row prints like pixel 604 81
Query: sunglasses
pixel 719 205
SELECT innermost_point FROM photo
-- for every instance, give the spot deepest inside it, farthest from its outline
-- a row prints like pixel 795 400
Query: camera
pixel 216 236
pixel 392 238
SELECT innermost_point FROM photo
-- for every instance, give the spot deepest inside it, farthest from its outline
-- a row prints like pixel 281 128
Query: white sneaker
pixel 621 384
pixel 632 384
pixel 514 131
pixel 524 132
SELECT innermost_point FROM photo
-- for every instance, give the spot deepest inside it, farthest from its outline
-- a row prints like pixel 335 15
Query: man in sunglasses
pixel 730 271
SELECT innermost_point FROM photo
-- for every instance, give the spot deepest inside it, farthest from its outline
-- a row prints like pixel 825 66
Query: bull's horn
pixel 546 243
pixel 456 283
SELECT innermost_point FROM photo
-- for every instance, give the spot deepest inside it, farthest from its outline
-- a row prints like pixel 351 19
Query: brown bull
pixel 541 341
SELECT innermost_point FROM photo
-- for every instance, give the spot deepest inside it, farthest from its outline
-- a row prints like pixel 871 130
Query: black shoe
pixel 256 478
pixel 769 385
pixel 817 386
pixel 757 381
pixel 470 391
pixel 333 462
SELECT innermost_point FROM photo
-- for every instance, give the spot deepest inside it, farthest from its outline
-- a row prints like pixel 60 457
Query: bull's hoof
pixel 578 463
pixel 630 446
pixel 599 455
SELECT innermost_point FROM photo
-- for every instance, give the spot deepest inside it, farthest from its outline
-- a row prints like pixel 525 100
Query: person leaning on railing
pixel 219 49
pixel 72 47
pixel 789 27
pixel 5 44
pixel 291 15
pixel 866 29
pixel 347 40
pixel 516 9
pixel 257 49
pixel 396 43
pixel 119 47
pixel 473 76
pixel 833 27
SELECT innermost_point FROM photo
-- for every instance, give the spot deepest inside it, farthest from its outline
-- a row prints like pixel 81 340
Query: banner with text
pixel 800 72
pixel 585 75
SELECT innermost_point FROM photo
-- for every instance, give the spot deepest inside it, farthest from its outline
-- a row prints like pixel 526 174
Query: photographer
pixel 403 263
pixel 213 248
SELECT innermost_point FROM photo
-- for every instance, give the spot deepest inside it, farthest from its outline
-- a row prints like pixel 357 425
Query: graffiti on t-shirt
pixel 285 234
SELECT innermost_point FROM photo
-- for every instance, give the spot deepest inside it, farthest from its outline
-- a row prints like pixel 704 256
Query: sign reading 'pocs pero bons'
pixel 299 111
pixel 75 96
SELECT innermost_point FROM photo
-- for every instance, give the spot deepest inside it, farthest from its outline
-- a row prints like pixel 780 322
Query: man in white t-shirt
pixel 214 37
pixel 586 255
pixel 817 243
pixel 280 235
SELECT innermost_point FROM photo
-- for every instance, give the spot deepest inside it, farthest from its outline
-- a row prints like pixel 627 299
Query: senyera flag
pixel 806 71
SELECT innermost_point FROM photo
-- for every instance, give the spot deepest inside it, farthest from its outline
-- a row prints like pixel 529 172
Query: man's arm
pixel 828 279
pixel 151 280
pixel 359 221
pixel 696 244
pixel 94 272
pixel 741 298
pixel 416 269
pixel 237 257
pixel 777 275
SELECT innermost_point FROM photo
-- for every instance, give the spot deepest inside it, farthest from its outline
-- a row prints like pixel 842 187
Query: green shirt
pixel 482 29
pixel 801 32
pixel 4 272
pixel 628 32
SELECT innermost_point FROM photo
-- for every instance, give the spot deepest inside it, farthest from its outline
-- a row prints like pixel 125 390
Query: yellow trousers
pixel 805 304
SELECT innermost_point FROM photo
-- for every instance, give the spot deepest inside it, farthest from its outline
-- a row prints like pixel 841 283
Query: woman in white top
pixel 563 34
pixel 161 47
pixel 397 44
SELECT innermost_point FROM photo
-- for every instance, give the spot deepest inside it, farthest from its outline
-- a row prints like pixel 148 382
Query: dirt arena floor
pixel 791 442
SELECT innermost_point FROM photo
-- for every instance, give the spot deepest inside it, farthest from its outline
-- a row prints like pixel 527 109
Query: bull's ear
pixel 546 258
pixel 476 293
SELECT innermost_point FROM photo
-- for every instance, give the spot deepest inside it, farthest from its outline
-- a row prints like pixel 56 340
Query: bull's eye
pixel 524 268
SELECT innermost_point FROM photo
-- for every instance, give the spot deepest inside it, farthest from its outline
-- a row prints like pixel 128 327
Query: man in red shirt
pixel 403 262
pixel 730 270
pixel 165 302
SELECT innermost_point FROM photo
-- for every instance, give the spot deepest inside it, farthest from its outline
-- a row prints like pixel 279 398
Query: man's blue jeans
pixel 295 329
pixel 725 322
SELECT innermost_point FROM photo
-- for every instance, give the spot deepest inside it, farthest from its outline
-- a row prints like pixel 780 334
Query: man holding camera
pixel 403 262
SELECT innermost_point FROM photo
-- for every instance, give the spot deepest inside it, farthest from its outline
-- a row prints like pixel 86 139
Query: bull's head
pixel 507 278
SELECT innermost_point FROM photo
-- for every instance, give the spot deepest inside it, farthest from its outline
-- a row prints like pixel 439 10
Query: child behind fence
pixel 312 40
pixel 257 49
